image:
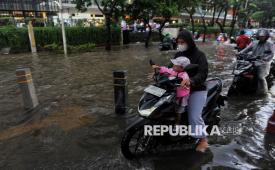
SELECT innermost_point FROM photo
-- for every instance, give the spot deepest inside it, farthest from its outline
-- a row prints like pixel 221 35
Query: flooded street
pixel 75 126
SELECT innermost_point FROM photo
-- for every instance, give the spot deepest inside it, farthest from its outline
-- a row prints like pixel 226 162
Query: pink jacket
pixel 181 91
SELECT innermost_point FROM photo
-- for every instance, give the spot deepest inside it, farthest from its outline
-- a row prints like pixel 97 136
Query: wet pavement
pixel 75 126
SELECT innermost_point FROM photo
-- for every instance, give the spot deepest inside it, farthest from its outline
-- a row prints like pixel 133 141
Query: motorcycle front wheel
pixel 134 143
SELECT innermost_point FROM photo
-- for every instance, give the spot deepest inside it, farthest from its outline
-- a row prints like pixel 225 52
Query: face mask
pixel 182 47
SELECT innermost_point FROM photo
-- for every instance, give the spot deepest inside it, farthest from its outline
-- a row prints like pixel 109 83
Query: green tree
pixel 265 12
pixel 258 16
pixel 202 9
pixel 108 8
pixel 222 6
pixel 166 9
pixel 189 6
pixel 236 8
pixel 147 9
pixel 261 11
pixel 143 10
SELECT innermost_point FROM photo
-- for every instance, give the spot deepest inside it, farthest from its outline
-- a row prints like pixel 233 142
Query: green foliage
pixel 18 37
pixel 167 9
pixel 211 30
pixel 258 16
pixel 141 9
pixel 75 35
pixel 88 47
pixel 53 47
pixel 177 25
pixel 13 37
pixel 6 21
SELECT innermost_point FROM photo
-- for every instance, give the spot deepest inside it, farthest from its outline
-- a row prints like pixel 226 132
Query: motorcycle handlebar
pixel 247 57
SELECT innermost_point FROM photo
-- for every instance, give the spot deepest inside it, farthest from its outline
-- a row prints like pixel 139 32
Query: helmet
pixel 242 32
pixel 262 33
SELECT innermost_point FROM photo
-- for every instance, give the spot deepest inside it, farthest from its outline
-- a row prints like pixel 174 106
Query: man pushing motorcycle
pixel 263 50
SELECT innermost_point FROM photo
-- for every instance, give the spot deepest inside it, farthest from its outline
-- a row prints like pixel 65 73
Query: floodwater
pixel 75 127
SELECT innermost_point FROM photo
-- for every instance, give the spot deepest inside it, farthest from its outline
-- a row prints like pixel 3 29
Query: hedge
pixel 17 38
pixel 199 28
pixel 212 30
pixel 141 36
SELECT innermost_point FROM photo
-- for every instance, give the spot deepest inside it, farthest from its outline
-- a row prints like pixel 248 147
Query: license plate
pixel 155 90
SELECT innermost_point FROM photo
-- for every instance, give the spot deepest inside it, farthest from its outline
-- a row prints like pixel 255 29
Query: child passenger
pixel 182 91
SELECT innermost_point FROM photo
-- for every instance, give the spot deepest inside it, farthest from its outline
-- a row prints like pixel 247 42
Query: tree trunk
pixel 232 27
pixel 221 26
pixel 235 13
pixel 225 16
pixel 148 36
pixel 218 21
pixel 213 16
pixel 204 28
pixel 108 16
pixel 161 29
pixel 108 27
pixel 192 23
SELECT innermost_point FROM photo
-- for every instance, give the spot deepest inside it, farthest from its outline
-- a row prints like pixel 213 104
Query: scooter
pixel 245 79
pixel 157 107
pixel 169 44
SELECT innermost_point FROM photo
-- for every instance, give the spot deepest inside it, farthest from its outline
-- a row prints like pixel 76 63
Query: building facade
pixel 72 16
pixel 19 10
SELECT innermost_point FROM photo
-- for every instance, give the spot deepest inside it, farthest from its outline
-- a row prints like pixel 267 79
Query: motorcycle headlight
pixel 237 72
pixel 147 112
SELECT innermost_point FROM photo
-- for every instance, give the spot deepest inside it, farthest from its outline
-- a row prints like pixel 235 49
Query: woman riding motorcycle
pixel 264 51
pixel 198 95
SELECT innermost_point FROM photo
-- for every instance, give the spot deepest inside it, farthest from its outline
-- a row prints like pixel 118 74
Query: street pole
pixel 63 27
pixel 31 37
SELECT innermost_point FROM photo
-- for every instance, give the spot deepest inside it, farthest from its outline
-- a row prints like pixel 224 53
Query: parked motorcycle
pixel 245 79
pixel 168 44
pixel 157 107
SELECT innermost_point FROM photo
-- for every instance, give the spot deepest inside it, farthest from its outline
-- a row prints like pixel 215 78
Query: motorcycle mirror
pixel 151 62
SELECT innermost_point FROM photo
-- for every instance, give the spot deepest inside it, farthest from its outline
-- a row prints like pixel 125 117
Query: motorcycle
pixel 157 107
pixel 245 79
pixel 168 44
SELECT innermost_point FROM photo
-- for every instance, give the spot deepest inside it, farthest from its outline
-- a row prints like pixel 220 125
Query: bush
pixel 75 35
pixel 71 48
pixel 211 30
pixel 17 38
pixel 141 36
pixel 177 25
pixel 13 37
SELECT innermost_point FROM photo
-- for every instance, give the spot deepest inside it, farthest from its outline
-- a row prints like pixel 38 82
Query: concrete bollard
pixel 24 80
pixel 120 91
